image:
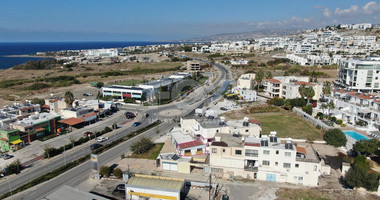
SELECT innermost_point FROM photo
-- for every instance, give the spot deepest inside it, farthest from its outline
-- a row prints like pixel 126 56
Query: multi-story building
pixel 266 158
pixel 288 87
pixel 361 75
pixel 193 66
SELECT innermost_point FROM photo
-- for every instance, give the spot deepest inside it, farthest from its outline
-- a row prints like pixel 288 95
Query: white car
pixel 102 139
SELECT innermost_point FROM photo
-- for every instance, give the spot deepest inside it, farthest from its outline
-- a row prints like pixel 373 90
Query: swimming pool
pixel 355 135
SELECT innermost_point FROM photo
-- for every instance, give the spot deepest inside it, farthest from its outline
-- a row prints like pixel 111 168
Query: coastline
pixel 27 56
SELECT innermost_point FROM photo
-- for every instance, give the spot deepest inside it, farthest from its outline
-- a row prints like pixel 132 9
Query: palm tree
pixel 326 88
pixel 259 77
pixel 69 98
pixel 330 105
pixel 309 93
pixel 323 107
pixel 302 90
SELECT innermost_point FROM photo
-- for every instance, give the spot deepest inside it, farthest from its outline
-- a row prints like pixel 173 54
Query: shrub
pixel 362 162
pixel 118 173
pixel 335 137
pixel 105 171
pixel 308 109
pixel 107 129
pixel 142 146
pixel 343 125
pixel 14 168
pixel 333 119
pixel 276 101
pixel 339 121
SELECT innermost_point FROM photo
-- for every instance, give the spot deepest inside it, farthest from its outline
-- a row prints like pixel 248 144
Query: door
pixel 271 177
pixel 169 166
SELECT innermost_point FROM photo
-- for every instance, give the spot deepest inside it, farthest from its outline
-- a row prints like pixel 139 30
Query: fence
pixel 311 119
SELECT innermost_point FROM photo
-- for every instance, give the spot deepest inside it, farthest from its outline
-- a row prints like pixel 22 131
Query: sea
pixel 26 48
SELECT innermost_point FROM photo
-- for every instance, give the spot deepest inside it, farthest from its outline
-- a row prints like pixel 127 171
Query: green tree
pixel 259 77
pixel 69 99
pixel 308 109
pixel 39 101
pixel 371 182
pixel 187 48
pixel 105 171
pixel 99 84
pixel 323 107
pixel 309 93
pixel 367 147
pixel 354 177
pixel 277 101
pixel 326 88
pixel 330 106
pixel 362 162
pixel 335 137
pixel 13 168
pixel 142 146
pixel 302 91
pixel 268 75
pixel 118 173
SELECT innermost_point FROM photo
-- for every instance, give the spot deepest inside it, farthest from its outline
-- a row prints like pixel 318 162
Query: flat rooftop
pixel 156 182
pixel 69 193
pixel 179 137
pixel 229 140
pixel 120 87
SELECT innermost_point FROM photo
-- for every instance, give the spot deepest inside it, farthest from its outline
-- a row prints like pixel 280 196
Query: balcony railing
pixel 251 168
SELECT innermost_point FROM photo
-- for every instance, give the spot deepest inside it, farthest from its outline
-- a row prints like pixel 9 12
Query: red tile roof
pixel 27 108
pixel 4 139
pixel 72 121
pixel 272 80
pixel 220 144
pixel 187 145
pixel 252 121
pixel 301 150
pixel 304 83
pixel 361 95
pixel 341 90
pixel 252 144
pixel 46 106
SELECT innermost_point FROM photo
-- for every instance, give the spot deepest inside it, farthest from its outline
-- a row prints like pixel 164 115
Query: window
pixel 286 165
pixel 224 150
pixel 277 151
pixel 276 163
pixel 217 130
pixel 251 152
pixel 266 152
pixel 187 151
pixel 315 167
pixel 288 154
pixel 238 152
pixel 266 162
pixel 214 150
pixel 255 175
pixel 246 130
pixel 217 170
pixel 199 149
pixel 297 165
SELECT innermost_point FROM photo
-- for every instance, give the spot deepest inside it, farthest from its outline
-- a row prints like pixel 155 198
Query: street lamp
pixel 10 188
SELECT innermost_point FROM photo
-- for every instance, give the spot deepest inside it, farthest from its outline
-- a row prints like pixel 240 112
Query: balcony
pixel 251 168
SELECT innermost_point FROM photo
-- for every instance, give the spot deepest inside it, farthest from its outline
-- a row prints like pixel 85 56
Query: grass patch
pixel 203 79
pixel 288 125
pixel 129 82
pixel 318 194
pixel 151 154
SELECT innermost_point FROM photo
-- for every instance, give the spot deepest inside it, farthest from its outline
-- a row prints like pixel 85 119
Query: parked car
pixel 87 134
pixel 102 139
pixel 95 146
pixel 90 94
pixel 223 108
pixel 120 187
pixel 6 156
pixel 129 115
pixel 136 124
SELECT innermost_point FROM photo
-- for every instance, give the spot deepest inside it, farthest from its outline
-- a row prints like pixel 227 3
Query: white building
pixel 266 158
pixel 360 74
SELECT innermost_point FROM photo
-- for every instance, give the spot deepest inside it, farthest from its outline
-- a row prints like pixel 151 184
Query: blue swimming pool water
pixel 355 135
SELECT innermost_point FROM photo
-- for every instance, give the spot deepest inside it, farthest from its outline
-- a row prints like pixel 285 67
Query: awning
pixel 16 141
pixel 4 139
pixel 40 129
pixel 72 121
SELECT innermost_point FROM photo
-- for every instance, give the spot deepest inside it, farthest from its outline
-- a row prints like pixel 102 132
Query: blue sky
pixel 129 20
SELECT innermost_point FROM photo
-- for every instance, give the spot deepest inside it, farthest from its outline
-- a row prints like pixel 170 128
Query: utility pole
pixel 209 191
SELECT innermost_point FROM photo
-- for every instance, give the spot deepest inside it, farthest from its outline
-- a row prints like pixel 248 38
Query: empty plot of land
pixel 286 124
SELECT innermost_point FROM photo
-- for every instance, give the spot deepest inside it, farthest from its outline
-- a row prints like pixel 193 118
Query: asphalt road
pixel 78 174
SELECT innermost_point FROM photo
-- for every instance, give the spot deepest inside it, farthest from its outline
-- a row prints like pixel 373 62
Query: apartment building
pixel 246 81
pixel 362 75
pixel 193 66
pixel 267 158
pixel 355 107
pixel 288 87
